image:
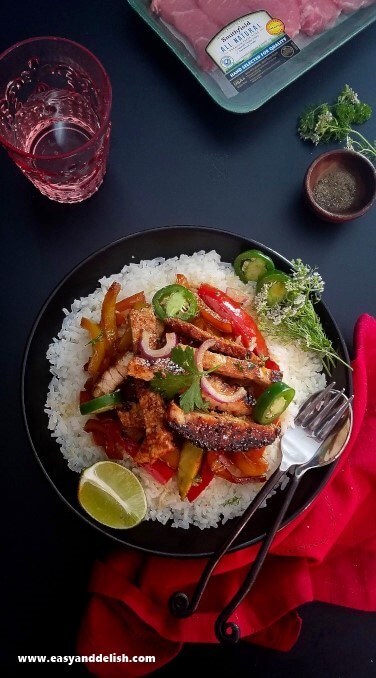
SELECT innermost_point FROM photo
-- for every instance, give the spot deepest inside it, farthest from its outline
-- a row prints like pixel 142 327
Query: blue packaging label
pixel 250 48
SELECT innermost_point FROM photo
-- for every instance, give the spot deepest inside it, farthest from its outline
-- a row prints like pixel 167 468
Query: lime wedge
pixel 112 495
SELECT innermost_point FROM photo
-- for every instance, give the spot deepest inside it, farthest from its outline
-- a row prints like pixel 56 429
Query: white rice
pixel 68 353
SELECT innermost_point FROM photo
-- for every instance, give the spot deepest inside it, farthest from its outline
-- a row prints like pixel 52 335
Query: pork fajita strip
pixel 225 346
pixel 113 377
pixel 159 440
pixel 223 432
pixel 242 371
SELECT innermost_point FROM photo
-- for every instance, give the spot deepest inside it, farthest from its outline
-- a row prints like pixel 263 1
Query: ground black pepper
pixel 337 191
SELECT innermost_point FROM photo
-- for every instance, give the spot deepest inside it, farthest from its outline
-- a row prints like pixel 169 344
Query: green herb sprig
pixel 334 122
pixel 96 339
pixel 169 385
pixel 295 318
pixel 233 501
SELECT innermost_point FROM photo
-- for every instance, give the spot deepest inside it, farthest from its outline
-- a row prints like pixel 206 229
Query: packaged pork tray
pixel 245 51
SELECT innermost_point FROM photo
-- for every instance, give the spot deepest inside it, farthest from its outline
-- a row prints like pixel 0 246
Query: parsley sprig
pixel 187 384
pixel 334 122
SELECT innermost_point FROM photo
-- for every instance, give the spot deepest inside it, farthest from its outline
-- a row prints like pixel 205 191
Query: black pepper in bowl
pixel 340 185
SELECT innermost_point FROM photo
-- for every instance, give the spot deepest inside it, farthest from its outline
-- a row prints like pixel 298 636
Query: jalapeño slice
pixel 175 301
pixel 272 402
pixel 276 282
pixel 252 265
pixel 102 403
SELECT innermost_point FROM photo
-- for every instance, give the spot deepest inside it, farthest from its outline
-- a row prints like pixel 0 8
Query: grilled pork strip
pixel 132 418
pixel 242 371
pixel 239 408
pixel 224 346
pixel 113 377
pixel 220 431
pixel 159 439
pixel 142 368
pixel 144 319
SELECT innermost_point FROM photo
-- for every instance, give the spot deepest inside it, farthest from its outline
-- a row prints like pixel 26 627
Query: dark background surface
pixel 176 158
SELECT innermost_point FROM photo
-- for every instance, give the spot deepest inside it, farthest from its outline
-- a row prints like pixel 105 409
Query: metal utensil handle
pixel 229 632
pixel 179 603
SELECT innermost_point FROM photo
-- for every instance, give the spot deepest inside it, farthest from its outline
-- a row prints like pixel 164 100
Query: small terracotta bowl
pixel 323 176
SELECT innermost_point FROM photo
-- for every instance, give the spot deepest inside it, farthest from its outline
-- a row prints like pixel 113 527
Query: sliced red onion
pixel 206 386
pixel 199 355
pixel 237 474
pixel 210 390
pixel 154 353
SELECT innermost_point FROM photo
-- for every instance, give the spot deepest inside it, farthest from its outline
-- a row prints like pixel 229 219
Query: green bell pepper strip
pixel 175 301
pixel 272 402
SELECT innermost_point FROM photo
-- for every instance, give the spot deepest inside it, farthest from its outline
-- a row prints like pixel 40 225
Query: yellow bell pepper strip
pixel 124 343
pixel 98 346
pixel 108 316
pixel 189 466
pixel 251 463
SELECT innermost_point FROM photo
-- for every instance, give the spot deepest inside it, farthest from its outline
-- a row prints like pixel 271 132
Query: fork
pixel 302 448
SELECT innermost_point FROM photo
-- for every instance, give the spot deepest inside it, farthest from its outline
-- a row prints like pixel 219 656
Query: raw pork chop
pixel 286 10
pixel 192 23
pixel 224 12
pixel 352 5
pixel 316 16
pixel 170 6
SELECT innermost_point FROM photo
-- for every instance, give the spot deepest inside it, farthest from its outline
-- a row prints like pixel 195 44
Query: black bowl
pixel 150 536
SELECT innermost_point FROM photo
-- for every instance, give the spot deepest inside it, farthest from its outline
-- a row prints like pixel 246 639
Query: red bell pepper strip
pixel 115 443
pixel 160 471
pixel 242 323
pixel 107 433
pixel 214 319
pixel 129 302
pixel 272 365
pixel 207 476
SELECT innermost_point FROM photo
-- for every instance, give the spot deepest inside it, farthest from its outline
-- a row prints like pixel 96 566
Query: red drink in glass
pixel 55 103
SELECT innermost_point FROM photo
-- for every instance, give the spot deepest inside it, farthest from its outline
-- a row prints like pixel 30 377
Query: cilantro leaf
pixel 184 358
pixel 192 398
pixel 169 385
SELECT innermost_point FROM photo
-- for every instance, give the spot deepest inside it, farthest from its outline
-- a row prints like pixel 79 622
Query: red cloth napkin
pixel 327 554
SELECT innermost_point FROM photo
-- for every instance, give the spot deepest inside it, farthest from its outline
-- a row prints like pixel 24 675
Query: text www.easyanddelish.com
pixel 83 659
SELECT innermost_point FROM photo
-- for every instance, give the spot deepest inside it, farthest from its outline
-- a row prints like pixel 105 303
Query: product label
pixel 250 47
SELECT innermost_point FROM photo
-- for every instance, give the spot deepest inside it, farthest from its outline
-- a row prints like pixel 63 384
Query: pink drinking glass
pixel 55 104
